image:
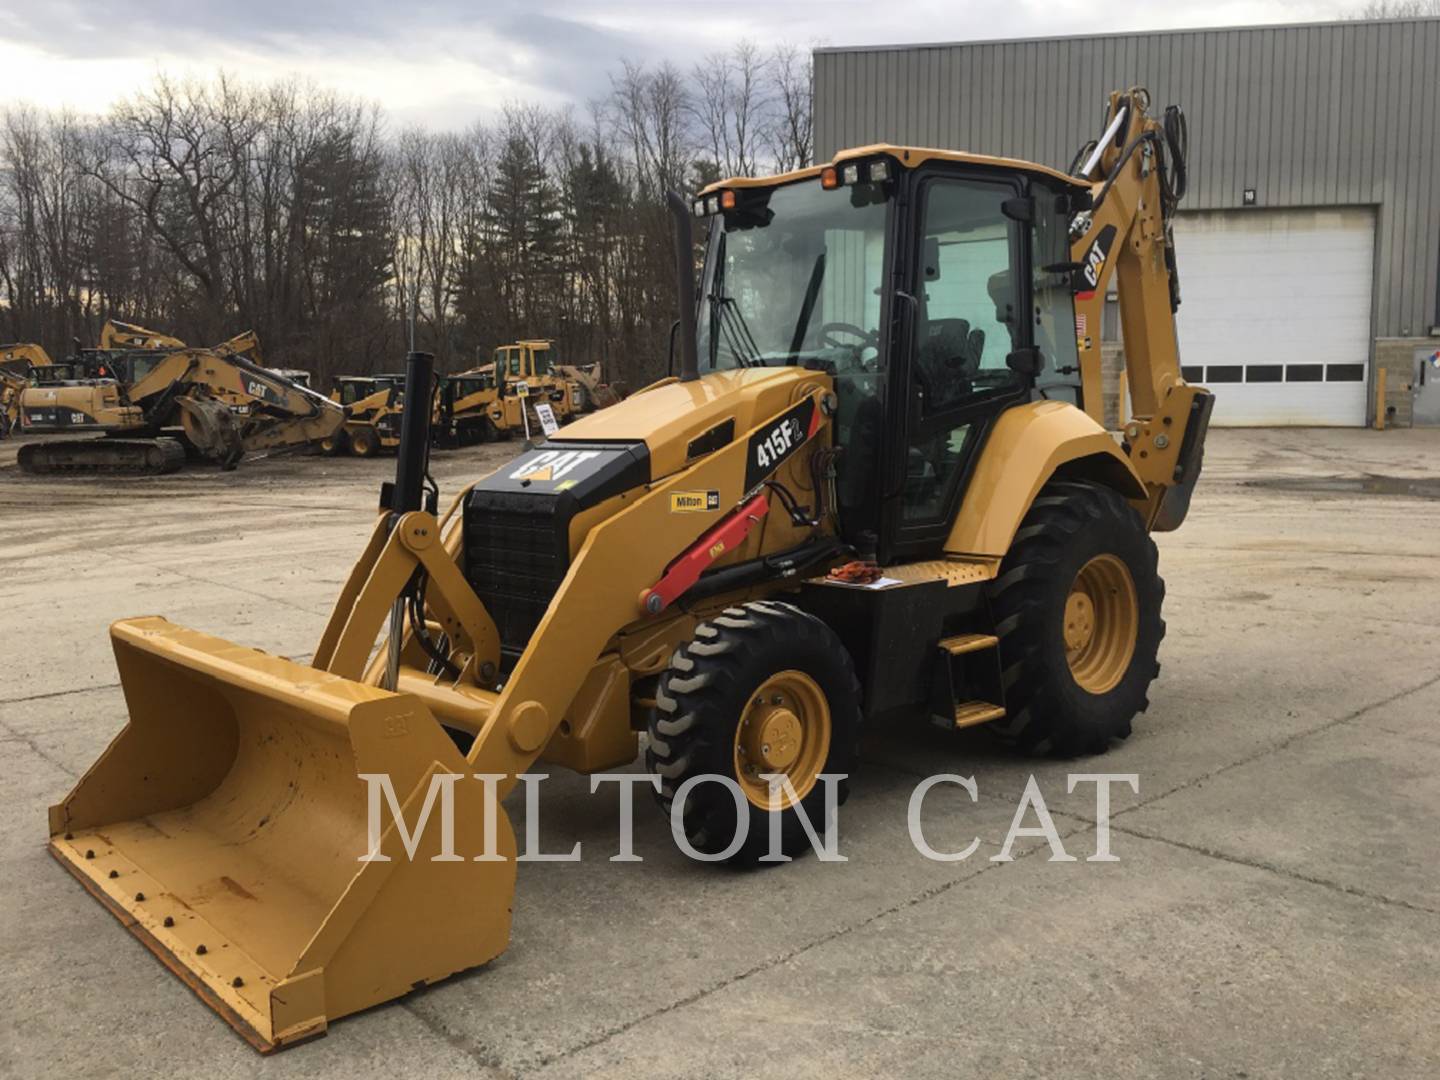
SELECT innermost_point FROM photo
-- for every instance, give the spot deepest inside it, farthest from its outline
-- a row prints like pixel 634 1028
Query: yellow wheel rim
pixel 784 729
pixel 1102 621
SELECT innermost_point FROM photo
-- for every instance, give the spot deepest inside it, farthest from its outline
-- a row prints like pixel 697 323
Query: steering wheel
pixel 867 337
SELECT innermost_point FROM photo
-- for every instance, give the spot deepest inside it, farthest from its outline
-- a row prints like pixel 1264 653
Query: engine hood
pixel 681 421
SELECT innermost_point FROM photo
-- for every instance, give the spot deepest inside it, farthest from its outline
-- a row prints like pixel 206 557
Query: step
pixel 970 713
pixel 968 643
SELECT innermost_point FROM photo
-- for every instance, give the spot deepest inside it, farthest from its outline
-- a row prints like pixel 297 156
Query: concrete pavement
pixel 1274 910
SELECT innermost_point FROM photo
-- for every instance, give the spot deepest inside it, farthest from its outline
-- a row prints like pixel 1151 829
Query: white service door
pixel 1275 313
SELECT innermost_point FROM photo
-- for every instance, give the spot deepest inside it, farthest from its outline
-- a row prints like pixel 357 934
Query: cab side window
pixel 1053 300
pixel 967 322
pixel 966 325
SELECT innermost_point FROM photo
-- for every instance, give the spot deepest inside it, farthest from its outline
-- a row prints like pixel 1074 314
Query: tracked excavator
pixel 149 403
pixel 17 360
pixel 878 489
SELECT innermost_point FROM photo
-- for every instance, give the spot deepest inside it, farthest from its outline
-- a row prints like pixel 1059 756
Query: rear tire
pixel 711 718
pixel 1077 610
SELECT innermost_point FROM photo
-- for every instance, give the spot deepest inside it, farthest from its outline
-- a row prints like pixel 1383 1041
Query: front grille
pixel 517 527
pixel 516 555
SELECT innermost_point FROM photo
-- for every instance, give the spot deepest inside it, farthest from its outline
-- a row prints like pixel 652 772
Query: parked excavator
pixel 17 360
pixel 882 369
pixel 150 403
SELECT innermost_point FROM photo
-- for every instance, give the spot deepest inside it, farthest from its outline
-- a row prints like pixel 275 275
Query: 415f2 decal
pixel 777 441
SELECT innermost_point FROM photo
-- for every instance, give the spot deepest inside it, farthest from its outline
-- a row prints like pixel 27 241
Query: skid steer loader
pixel 882 366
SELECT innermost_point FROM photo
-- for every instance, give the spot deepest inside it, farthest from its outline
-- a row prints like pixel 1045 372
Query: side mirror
pixel 931 259
pixel 1025 362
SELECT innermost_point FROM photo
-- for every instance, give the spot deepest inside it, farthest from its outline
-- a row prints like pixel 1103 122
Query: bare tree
pixel 790 134
pixel 1396 9
pixel 206 207
pixel 175 152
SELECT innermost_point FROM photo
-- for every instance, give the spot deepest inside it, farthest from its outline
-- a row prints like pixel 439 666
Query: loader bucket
pixel 226 823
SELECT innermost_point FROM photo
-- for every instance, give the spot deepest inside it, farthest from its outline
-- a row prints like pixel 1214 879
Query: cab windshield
pixel 793 275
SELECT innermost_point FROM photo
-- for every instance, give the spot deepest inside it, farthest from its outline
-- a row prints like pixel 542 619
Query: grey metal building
pixel 1309 244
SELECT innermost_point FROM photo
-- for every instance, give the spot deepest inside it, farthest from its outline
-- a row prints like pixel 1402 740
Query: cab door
pixel 961 357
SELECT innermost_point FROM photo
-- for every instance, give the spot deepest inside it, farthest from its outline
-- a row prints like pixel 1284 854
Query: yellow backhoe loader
pixel 878 488
pixel 151 403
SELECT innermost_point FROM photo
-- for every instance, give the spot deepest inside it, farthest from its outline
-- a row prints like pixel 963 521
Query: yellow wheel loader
pixel 524 378
pixel 153 403
pixel 877 489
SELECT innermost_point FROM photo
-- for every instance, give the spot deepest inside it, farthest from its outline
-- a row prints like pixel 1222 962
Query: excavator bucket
pixel 226 827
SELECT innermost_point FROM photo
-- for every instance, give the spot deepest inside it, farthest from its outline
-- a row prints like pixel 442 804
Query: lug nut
pixel 169 921
pixel 201 950
pixel 237 982
pixel 139 896
pixel 89 853
pixel 114 873
pixel 69 836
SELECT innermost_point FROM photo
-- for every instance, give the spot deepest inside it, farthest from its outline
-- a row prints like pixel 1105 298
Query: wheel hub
pixel 785 729
pixel 1079 621
pixel 778 736
pixel 1102 623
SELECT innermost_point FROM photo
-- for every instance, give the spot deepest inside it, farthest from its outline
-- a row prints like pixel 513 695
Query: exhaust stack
pixel 685 284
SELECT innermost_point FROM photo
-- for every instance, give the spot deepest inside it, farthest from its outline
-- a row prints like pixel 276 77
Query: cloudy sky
pixel 444 63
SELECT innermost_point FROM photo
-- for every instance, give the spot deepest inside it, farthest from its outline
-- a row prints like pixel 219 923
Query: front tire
pixel 761 688
pixel 1077 610
pixel 364 442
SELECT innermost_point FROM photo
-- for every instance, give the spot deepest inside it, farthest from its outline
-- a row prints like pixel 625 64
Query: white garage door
pixel 1275 313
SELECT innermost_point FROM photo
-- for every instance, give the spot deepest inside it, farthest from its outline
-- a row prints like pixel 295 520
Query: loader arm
pixel 1137 175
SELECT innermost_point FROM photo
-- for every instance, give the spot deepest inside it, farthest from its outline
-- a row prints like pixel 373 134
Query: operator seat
pixel 949 355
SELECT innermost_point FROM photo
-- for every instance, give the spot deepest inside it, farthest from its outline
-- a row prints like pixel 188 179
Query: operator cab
pixel 934 287
pixel 355 388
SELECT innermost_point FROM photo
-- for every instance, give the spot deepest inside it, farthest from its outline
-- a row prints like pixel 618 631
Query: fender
pixel 1029 445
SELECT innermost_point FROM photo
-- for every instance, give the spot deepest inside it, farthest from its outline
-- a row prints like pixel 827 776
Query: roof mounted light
pixel 829 179
pixel 879 171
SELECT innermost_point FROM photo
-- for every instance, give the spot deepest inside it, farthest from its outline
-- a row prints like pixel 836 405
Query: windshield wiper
pixel 736 331
pixel 807 307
